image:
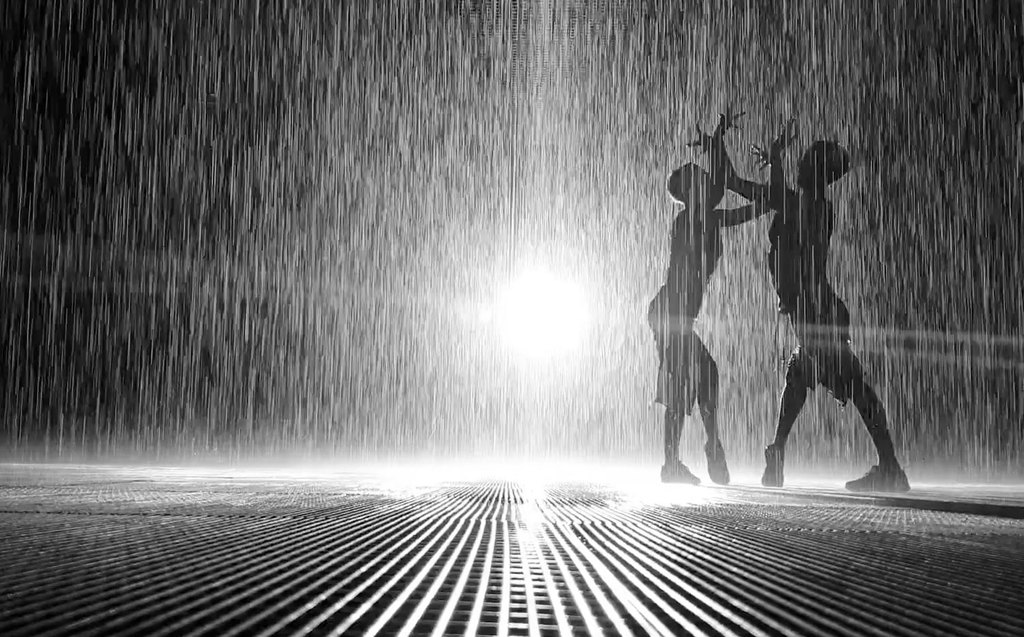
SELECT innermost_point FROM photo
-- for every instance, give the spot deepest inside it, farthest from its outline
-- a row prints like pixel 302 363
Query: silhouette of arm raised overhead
pixel 775 193
pixel 722 172
pixel 711 143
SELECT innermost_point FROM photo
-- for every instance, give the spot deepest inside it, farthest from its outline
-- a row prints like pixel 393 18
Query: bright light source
pixel 541 316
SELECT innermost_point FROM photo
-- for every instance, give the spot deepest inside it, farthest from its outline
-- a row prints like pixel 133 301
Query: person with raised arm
pixel 687 373
pixel 800 236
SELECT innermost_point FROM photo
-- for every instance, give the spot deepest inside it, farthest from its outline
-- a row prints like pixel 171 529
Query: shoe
pixel 678 473
pixel 889 478
pixel 718 470
pixel 774 461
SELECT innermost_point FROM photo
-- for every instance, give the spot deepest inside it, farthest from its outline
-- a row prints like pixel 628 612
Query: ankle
pixel 889 464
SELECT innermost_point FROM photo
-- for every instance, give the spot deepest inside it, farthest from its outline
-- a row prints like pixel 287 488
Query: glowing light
pixel 541 315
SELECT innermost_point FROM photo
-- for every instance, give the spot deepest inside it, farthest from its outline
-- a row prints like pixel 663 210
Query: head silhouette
pixel 688 184
pixel 821 164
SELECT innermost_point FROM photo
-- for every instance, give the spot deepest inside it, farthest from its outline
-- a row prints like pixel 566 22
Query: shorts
pixel 683 363
pixel 835 367
pixel 683 360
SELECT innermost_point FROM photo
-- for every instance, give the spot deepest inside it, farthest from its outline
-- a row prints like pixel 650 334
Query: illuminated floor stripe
pixel 460 585
pixel 369 576
pixel 245 603
pixel 532 616
pixel 505 611
pixel 860 596
pixel 577 553
pixel 263 555
pixel 481 593
pixel 226 557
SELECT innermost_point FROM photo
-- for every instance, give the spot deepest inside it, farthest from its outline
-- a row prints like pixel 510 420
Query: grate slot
pixel 103 552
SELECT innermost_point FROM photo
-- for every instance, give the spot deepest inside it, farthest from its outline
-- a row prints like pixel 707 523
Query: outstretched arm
pixel 749 189
pixel 736 216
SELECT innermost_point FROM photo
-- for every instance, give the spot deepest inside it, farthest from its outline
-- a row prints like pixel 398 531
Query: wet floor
pixel 113 550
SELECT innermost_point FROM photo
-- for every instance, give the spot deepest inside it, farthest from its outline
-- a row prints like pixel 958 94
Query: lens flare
pixel 541 315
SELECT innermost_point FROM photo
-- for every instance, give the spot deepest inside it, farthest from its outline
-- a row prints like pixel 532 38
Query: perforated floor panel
pixel 106 552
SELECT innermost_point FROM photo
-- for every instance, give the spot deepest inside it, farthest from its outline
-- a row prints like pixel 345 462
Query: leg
pixel 674 470
pixel 668 352
pixel 673 431
pixel 678 396
pixel 887 475
pixel 799 378
pixel 707 402
pixel 794 395
pixel 871 411
pixel 707 391
pixel 843 376
pixel 669 394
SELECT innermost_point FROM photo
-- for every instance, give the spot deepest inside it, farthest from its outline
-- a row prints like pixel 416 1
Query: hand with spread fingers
pixel 773 153
pixel 701 139
pixel 729 119
pixel 726 120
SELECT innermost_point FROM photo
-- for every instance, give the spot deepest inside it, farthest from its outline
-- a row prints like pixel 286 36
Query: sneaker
pixel 718 470
pixel 774 460
pixel 677 472
pixel 878 478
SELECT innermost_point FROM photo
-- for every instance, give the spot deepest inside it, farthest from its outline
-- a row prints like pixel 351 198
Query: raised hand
pixel 729 119
pixel 761 156
pixel 701 139
pixel 766 156
pixel 726 120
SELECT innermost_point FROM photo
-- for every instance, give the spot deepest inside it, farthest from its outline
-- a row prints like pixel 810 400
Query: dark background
pixel 240 229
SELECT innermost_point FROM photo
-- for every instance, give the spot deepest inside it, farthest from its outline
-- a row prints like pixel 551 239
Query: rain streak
pixel 297 230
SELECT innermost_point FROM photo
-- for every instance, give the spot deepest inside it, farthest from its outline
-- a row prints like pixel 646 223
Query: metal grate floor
pixel 108 552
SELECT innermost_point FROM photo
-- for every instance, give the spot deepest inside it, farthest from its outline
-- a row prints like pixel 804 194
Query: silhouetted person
pixel 800 236
pixel 687 373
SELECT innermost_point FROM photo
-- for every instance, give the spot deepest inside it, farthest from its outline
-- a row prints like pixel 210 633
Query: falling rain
pixel 299 230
